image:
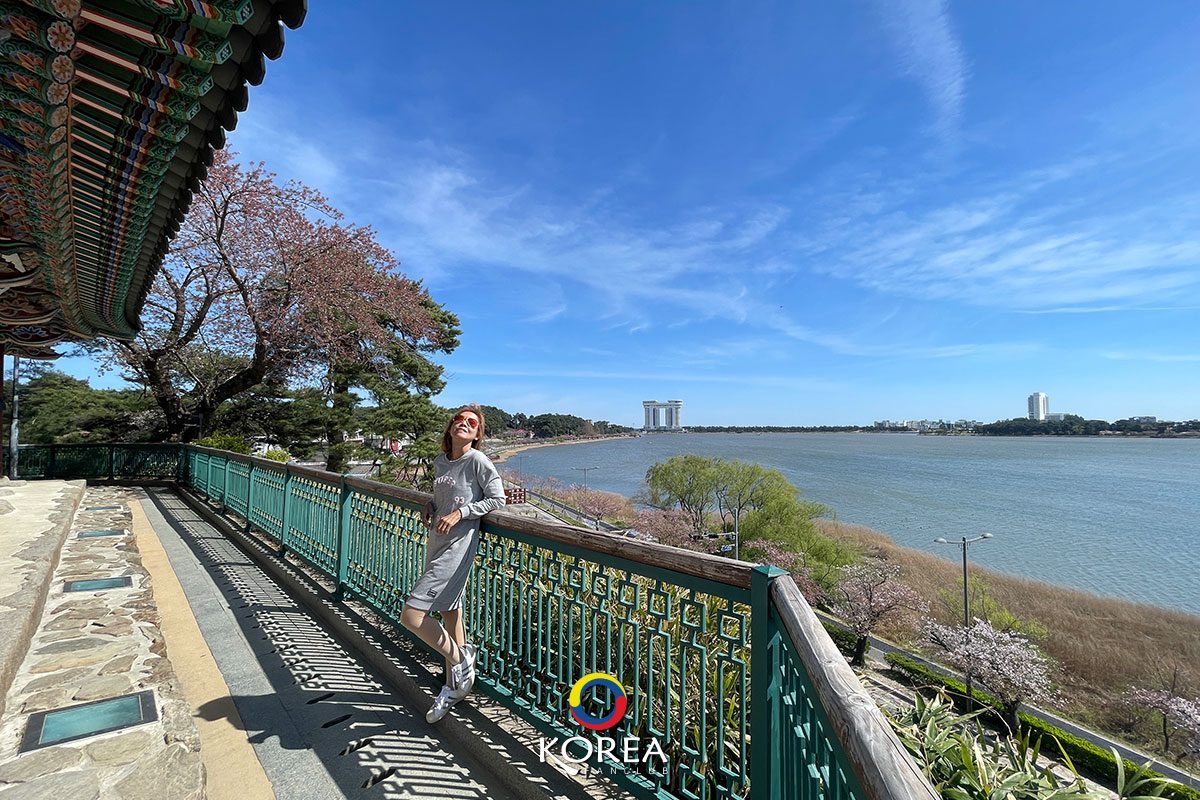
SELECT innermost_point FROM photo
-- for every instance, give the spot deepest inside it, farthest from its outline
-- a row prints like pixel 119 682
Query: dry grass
pixel 1102 645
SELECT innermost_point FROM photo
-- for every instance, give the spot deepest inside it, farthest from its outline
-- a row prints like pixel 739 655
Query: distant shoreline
pixel 873 539
pixel 509 451
pixel 1193 615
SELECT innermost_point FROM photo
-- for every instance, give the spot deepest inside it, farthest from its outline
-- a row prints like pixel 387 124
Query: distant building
pixel 1144 419
pixel 663 416
pixel 1056 416
pixel 1039 406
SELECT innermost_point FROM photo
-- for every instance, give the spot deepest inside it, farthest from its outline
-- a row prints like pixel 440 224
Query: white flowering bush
pixel 868 593
pixel 1005 662
pixel 1179 714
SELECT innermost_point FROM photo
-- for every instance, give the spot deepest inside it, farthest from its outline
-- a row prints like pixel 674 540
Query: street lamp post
pixel 966 603
pixel 737 539
pixel 584 470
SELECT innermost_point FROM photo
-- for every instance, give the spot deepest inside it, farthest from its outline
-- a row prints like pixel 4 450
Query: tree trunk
pixel 1009 714
pixel 166 396
pixel 860 652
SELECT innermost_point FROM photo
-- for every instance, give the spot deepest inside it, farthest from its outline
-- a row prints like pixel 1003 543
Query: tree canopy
pixel 55 408
pixel 265 282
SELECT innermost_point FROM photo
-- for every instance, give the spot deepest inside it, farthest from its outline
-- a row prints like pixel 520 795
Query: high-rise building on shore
pixel 662 416
pixel 1039 406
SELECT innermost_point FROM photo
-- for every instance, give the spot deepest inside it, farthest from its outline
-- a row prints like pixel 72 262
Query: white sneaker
pixel 462 674
pixel 442 704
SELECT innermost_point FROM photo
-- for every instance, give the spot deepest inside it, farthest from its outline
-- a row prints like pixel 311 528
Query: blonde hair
pixel 477 441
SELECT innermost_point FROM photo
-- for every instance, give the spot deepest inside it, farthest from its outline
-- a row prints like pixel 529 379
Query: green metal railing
pixel 99 461
pixel 725 667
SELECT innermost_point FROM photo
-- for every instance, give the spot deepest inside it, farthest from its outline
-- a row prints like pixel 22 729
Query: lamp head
pixel 987 536
pixel 940 540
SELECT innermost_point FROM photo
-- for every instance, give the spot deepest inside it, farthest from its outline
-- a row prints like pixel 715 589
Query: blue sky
pixel 780 213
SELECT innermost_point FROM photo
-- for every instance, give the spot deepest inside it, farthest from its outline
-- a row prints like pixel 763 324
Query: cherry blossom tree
pixel 265 280
pixel 1004 661
pixel 868 593
pixel 778 554
pixel 596 505
pixel 1179 714
pixel 671 527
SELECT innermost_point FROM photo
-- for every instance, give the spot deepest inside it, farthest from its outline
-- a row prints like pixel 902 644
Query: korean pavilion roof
pixel 109 113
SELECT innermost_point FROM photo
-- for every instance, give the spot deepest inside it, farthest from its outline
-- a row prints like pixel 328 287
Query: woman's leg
pixel 452 620
pixel 427 629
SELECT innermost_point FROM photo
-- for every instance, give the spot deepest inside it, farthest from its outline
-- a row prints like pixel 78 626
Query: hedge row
pixel 1087 757
pixel 844 639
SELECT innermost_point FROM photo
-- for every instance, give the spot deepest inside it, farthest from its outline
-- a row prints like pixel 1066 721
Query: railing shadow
pixel 320 698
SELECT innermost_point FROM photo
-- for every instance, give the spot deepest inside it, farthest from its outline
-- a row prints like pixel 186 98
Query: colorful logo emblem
pixel 576 701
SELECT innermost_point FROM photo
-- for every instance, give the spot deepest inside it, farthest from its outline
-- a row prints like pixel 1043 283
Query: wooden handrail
pixel 700 565
pixel 881 762
pixel 689 562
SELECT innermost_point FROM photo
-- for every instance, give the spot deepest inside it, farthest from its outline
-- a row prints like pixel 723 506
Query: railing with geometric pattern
pixel 724 664
pixel 99 461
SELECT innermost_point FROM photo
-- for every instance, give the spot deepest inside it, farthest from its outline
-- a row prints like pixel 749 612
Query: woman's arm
pixel 493 490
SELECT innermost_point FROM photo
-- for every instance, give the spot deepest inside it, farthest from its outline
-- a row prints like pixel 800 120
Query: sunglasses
pixel 472 423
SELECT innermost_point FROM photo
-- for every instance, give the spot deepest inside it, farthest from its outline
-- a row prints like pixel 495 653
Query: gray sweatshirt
pixel 469 484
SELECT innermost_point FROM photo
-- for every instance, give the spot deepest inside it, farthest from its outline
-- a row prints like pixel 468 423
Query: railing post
pixel 249 495
pixel 112 461
pixel 287 511
pixel 52 465
pixel 765 685
pixel 225 485
pixel 343 540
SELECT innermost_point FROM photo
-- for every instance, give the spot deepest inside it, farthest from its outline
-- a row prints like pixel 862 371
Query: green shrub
pixel 277 454
pixel 962 765
pixel 1101 764
pixel 844 639
pixel 225 441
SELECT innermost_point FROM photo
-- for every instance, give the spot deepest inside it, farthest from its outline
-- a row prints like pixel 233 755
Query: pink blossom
pixel 1177 711
pixel 1004 661
pixel 868 593
pixel 264 280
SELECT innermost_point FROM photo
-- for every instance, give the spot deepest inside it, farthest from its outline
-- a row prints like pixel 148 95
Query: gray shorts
pixel 448 561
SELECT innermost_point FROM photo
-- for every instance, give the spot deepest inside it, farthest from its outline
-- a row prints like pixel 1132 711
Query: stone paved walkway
pixel 323 724
pixel 293 713
pixel 98 645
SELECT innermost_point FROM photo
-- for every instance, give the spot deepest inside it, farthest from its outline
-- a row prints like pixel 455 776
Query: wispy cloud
pixel 1002 246
pixel 930 53
pixel 1021 244
pixel 1105 309
pixel 548 313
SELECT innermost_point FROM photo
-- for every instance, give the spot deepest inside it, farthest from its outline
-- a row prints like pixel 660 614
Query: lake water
pixel 1113 516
